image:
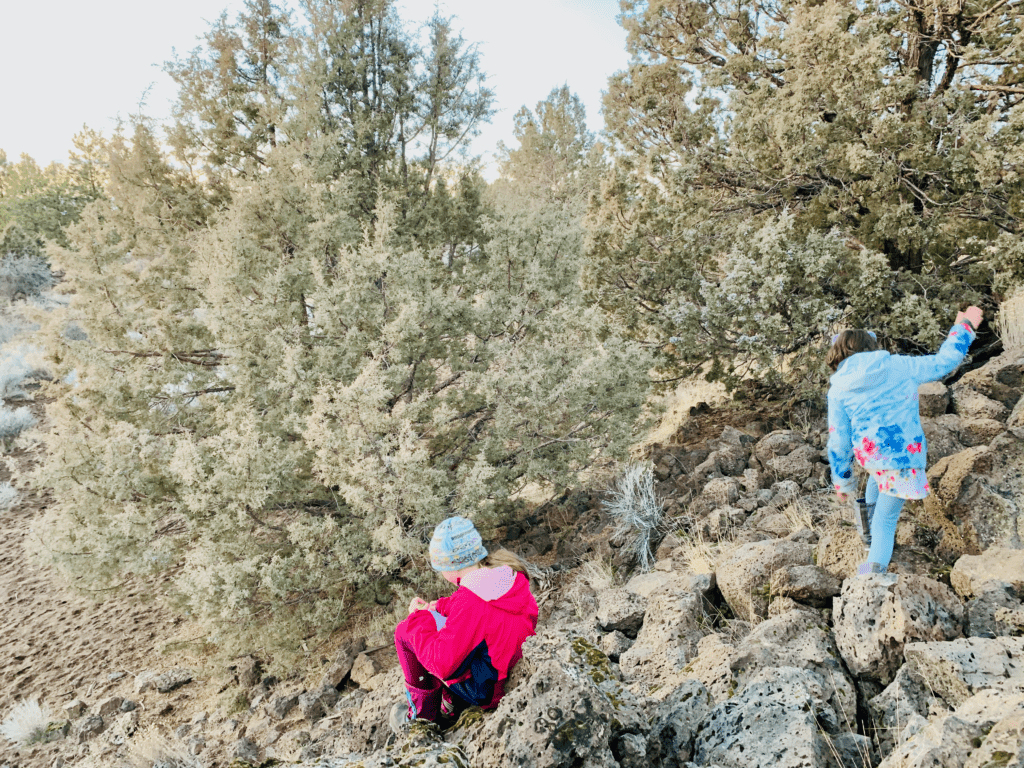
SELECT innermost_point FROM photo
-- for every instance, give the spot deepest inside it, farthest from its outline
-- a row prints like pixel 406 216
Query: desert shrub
pixel 26 723
pixel 778 297
pixel 23 276
pixel 18 364
pixel 638 513
pixel 8 495
pixel 14 421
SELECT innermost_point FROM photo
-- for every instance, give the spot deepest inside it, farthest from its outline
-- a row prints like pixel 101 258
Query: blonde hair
pixel 848 343
pixel 501 557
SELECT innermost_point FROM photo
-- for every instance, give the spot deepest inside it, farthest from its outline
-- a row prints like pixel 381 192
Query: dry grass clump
pixel 152 749
pixel 638 512
pixel 26 723
pixel 697 553
pixel 1010 323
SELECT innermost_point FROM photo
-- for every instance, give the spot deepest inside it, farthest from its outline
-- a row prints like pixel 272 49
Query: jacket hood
pixel 502 588
pixel 862 371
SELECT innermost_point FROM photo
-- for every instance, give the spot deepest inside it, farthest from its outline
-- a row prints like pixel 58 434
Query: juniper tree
pixel 275 405
pixel 896 126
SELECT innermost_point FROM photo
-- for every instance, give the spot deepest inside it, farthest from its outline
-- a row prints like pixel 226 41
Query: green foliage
pixel 275 405
pixel 892 127
pixel 39 203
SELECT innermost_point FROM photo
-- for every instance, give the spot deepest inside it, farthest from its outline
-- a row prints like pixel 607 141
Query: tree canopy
pixel 891 127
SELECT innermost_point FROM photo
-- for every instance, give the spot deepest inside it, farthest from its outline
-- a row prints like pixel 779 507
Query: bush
pixel 13 423
pixel 26 723
pixel 23 276
pixel 638 512
pixel 16 367
pixel 8 495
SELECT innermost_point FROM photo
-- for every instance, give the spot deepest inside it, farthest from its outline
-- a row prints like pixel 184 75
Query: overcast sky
pixel 70 63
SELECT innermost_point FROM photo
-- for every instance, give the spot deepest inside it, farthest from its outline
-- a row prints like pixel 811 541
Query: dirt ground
pixel 57 645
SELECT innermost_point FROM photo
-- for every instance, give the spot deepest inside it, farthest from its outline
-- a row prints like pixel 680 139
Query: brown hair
pixel 502 557
pixel 849 343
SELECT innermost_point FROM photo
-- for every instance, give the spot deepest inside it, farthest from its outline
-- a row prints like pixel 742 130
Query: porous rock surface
pixel 876 616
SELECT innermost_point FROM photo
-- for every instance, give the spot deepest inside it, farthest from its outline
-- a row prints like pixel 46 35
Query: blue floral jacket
pixel 873 410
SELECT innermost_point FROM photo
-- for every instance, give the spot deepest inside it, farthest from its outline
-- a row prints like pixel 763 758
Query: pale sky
pixel 70 63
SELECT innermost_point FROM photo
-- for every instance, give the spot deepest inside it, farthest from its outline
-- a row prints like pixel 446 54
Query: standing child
pixel 873 415
pixel 458 651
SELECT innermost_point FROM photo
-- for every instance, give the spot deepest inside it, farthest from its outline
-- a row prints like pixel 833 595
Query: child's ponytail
pixel 501 557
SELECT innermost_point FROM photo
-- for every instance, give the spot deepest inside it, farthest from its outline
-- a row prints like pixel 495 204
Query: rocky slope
pixel 749 644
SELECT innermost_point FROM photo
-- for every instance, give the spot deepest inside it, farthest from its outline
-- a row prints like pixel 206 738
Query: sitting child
pixel 873 416
pixel 458 651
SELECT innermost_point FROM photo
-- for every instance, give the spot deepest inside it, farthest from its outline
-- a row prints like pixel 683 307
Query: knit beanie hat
pixel 455 545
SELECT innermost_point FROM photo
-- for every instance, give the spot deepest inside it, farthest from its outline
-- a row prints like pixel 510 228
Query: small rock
pixel 996 597
pixel 110 706
pixel 969 402
pixel 976 430
pixel 876 616
pixel 947 741
pixel 363 668
pixel 90 727
pixel 614 644
pixel 196 745
pixel 145 681
pixel 622 610
pixel 282 705
pixel 128 705
pixel 343 662
pixel 674 725
pixel 248 670
pixel 312 706
pixel 744 574
pixel 958 668
pixel 933 399
pixel 74 709
pixel 246 751
pixel 173 679
pixel 781 442
pixel 777 715
pixel 113 677
pixel 182 731
pixel 995 564
pixel 806 584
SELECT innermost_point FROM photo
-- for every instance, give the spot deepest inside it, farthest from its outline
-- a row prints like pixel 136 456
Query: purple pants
pixel 421 688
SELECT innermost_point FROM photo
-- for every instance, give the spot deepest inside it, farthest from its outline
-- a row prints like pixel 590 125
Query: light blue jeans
pixel 883 523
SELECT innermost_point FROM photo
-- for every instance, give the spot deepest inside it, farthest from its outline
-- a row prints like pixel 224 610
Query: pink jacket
pixel 488 618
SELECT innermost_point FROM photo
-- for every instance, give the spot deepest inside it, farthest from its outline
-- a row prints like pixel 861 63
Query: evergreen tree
pixel 276 403
pixel 231 92
pixel 895 127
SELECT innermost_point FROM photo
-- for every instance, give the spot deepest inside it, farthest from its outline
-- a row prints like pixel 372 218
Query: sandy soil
pixel 57 645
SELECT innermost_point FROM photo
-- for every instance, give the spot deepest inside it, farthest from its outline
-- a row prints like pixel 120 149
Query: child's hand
pixel 972 315
pixel 418 604
pixel 432 605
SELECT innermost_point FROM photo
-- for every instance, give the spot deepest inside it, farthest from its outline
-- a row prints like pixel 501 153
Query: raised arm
pixel 933 367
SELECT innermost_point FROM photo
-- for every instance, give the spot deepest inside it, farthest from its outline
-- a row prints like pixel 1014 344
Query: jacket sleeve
pixel 840 448
pixel 933 367
pixel 442 651
pixel 441 605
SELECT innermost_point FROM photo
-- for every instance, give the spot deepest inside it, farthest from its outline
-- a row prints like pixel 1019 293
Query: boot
pixel 862 514
pixel 424 704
